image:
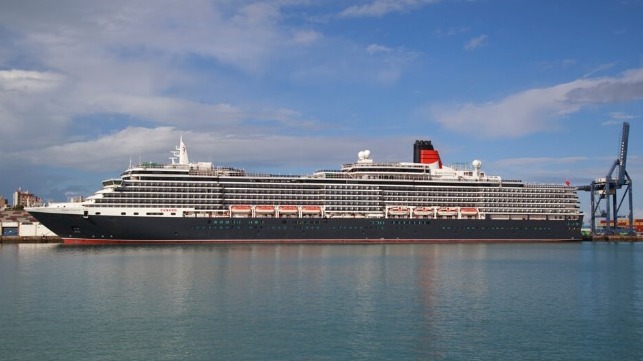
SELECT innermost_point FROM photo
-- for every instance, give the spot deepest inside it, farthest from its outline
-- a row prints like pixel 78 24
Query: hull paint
pixel 81 241
pixel 75 229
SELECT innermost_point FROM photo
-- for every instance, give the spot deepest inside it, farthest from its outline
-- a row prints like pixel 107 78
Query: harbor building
pixel 25 199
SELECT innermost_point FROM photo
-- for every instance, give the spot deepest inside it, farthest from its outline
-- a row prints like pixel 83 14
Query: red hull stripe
pixel 72 241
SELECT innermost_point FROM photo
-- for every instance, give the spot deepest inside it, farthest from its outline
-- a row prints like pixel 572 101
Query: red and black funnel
pixel 423 152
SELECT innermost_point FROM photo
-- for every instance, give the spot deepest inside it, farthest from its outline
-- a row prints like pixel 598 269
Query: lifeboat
pixel 288 209
pixel 311 210
pixel 264 209
pixel 240 209
pixel 423 211
pixel 468 211
pixel 447 211
pixel 398 211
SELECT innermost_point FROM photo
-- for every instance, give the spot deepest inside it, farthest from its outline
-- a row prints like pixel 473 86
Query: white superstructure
pixel 364 188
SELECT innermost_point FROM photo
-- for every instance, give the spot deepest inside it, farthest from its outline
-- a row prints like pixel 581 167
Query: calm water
pixel 572 301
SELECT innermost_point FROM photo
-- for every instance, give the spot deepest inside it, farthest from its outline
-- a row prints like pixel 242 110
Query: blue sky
pixel 537 90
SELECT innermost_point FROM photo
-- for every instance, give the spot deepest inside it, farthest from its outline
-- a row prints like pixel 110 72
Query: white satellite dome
pixel 364 154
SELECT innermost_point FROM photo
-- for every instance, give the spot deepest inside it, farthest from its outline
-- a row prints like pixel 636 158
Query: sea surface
pixel 564 301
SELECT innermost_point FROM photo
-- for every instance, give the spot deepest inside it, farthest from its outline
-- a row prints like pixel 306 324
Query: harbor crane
pixel 606 189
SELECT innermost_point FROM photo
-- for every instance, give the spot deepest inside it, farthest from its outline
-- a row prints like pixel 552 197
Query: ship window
pixel 97 213
pixel 122 213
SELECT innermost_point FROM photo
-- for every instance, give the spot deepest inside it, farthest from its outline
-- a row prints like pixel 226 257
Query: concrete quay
pixel 613 238
pixel 29 239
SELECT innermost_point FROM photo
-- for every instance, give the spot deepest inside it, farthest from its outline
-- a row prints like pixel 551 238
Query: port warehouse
pixel 20 223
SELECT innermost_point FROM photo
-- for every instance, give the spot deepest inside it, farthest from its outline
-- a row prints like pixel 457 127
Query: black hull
pixel 114 229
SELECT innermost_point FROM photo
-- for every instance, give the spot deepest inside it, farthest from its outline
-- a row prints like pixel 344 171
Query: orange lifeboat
pixel 468 211
pixel 423 211
pixel 447 211
pixel 288 209
pixel 311 210
pixel 262 209
pixel 240 209
pixel 398 211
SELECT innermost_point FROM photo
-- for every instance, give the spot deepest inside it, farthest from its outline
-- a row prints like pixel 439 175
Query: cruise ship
pixel 364 201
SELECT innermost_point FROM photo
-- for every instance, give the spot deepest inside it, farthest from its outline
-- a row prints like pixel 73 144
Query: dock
pixel 613 238
pixel 18 226
pixel 29 239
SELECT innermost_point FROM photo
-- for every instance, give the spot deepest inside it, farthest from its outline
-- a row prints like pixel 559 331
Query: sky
pixel 536 90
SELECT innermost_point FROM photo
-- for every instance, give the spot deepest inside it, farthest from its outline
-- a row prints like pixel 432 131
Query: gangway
pixel 606 189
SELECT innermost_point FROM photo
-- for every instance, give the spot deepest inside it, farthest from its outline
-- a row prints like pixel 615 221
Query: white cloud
pixel 102 153
pixel 617 118
pixel 243 35
pixel 558 64
pixel 395 60
pixel 621 116
pixel 256 151
pixel 306 37
pixel 28 106
pixel 382 7
pixel 375 48
pixel 538 110
pixel 130 57
pixel 452 31
pixel 126 58
pixel 369 64
pixel 28 82
pixel 627 87
pixel 477 42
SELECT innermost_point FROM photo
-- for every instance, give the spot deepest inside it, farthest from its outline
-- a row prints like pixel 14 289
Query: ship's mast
pixel 181 152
